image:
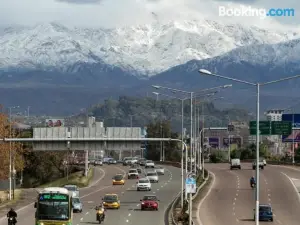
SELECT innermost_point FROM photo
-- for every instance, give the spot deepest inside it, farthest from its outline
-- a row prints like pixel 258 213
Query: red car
pixel 149 202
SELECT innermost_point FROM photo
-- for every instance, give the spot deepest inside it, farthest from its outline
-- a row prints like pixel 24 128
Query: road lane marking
pixel 81 219
pixel 90 202
pixel 205 196
pixel 127 221
pixel 295 188
pixel 97 181
pixel 86 213
pixel 157 189
pixel 129 214
pixel 162 186
pixel 237 194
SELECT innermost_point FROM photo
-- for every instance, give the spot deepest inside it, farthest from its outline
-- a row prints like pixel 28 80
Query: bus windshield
pixel 53 209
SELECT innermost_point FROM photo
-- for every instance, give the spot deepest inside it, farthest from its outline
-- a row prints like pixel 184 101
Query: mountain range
pixel 59 70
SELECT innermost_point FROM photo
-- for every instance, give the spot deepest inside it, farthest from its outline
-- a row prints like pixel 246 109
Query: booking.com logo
pixel 259 12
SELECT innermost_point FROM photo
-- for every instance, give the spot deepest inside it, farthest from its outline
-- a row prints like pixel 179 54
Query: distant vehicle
pixel 118 179
pixel 73 189
pixel 152 176
pixel 265 212
pixel 139 170
pixel 106 160
pixel 235 164
pixel 160 170
pixel 149 202
pixel 98 163
pixel 260 165
pixel 112 161
pixel 127 161
pixel 133 174
pixel 149 164
pixel 77 205
pixel 143 185
pixel 264 161
pixel 142 162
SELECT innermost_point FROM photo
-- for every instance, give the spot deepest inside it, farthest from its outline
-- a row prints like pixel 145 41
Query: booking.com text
pixel 248 11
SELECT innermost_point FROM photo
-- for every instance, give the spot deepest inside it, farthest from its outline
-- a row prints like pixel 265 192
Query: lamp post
pixel 191 98
pixel 186 156
pixel 11 161
pixel 257 85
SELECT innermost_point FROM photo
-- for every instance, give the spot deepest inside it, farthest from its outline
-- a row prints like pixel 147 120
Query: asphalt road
pixel 129 213
pixel 232 199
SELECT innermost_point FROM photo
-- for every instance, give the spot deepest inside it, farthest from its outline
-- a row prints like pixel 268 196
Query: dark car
pixel 265 213
pixel 149 202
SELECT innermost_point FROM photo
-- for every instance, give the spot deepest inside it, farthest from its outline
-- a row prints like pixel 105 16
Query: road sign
pixel 295 136
pixel 271 127
pixel 281 127
pixel 264 127
pixel 190 185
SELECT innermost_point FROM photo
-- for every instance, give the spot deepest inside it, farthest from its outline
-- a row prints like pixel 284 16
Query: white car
pixel 152 176
pixel 143 185
pixel 160 170
pixel 149 164
pixel 133 174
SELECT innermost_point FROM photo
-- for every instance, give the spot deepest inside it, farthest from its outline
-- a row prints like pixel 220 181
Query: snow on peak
pixel 145 49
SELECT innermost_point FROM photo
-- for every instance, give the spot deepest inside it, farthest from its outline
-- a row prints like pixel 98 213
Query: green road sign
pixel 264 127
pixel 281 127
pixel 271 127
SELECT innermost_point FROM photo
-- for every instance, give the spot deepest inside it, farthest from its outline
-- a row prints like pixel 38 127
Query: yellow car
pixel 118 180
pixel 111 201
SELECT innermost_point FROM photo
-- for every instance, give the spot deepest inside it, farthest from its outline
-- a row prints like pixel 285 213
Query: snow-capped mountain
pixel 143 50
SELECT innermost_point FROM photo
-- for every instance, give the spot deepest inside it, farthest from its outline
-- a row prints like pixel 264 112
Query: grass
pixel 3 195
pixel 77 178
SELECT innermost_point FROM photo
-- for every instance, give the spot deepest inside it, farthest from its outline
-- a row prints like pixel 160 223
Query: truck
pixel 261 164
pixel 235 164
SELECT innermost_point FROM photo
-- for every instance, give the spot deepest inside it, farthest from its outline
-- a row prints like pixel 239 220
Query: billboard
pixel 55 122
pixel 213 142
pixel 233 140
pixel 295 119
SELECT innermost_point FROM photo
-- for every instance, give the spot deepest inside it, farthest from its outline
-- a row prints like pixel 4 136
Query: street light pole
pixel 191 135
pixel 206 72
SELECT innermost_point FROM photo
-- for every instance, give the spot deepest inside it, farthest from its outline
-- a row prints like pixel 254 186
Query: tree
pixel 158 130
pixel 6 131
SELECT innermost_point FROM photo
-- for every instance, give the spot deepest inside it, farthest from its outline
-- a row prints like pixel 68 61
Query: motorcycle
pixel 100 216
pixel 12 221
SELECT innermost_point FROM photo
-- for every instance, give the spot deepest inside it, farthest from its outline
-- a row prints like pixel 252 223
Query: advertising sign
pixel 214 142
pixel 233 140
pixel 190 185
pixel 55 122
pixel 295 119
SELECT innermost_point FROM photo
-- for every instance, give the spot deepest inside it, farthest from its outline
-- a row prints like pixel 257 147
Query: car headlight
pixel 41 223
pixel 104 202
pixel 114 181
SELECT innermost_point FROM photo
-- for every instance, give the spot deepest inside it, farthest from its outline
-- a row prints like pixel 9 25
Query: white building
pixel 275 115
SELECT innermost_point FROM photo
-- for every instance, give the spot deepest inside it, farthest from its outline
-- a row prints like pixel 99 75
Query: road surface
pixel 232 199
pixel 129 213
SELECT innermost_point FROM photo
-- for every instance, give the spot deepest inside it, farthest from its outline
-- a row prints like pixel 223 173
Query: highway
pixel 232 199
pixel 167 188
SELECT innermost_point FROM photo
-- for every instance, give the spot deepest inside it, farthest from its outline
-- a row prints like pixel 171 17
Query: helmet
pixel 11 209
pixel 252 177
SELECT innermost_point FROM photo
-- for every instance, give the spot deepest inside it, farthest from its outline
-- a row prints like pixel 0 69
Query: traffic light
pixel 230 127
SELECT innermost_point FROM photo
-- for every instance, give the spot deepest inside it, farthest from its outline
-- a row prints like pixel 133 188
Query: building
pixel 274 114
pixel 278 146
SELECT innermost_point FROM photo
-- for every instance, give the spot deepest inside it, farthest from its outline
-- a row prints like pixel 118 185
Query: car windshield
pixel 151 174
pixel 143 181
pixel 118 177
pixel 150 198
pixel 71 188
pixel 55 210
pixel 110 198
pixel 75 200
pixel 132 171
pixel 265 209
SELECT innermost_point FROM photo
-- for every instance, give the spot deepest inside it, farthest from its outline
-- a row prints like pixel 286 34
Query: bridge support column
pixel 86 157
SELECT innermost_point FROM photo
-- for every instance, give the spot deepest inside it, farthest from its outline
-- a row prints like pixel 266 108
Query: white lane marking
pixel 237 194
pixel 97 181
pixel 157 189
pixel 128 189
pixel 127 221
pixel 203 199
pixel 153 192
pixel 295 188
pixel 129 214
pixel 278 221
pixel 86 213
pixel 122 193
pixel 137 205
pixel 81 219
pixel 233 203
pixel 162 186
pixel 90 202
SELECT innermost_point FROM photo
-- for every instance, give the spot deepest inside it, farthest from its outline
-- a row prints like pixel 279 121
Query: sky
pixel 120 13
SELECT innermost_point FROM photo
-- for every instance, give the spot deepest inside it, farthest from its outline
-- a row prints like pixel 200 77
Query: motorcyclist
pixel 12 214
pixel 252 181
pixel 101 210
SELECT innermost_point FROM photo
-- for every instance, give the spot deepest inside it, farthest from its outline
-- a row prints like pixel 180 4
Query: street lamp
pixel 191 98
pixel 257 85
pixel 186 155
pixel 11 161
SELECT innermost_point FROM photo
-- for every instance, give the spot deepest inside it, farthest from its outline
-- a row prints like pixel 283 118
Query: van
pixel 235 164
